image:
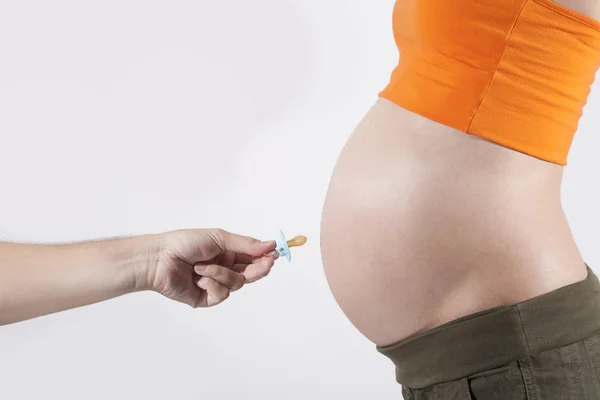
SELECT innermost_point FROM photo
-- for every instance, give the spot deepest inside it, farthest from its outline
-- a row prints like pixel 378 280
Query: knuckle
pixel 249 239
pixel 225 294
pixel 218 231
pixel 239 282
pixel 220 294
pixel 218 271
pixel 265 273
pixel 217 235
pixel 213 285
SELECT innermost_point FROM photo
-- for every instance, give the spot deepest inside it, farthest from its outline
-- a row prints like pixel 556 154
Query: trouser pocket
pixel 569 372
pixel 502 383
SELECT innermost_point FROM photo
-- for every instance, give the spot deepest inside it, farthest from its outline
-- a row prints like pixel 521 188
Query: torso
pixel 591 8
pixel 424 224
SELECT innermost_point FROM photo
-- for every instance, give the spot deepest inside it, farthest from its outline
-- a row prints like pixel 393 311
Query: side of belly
pixel 416 232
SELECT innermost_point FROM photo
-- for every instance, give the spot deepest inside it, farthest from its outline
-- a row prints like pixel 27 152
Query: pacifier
pixel 283 246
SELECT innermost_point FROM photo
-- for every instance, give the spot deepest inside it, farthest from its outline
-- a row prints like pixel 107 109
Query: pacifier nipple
pixel 283 246
pixel 297 241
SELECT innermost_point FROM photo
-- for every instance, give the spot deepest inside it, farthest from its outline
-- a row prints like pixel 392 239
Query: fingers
pixel 226 259
pixel 215 293
pixel 230 279
pixel 217 282
pixel 256 270
pixel 248 259
pixel 228 241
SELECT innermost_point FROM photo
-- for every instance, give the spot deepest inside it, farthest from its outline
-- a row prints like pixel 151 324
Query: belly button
pixel 283 246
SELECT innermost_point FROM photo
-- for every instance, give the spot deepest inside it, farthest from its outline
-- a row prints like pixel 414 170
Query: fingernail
pixel 201 268
pixel 274 253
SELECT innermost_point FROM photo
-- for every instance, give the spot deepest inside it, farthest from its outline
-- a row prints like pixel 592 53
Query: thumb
pixel 228 241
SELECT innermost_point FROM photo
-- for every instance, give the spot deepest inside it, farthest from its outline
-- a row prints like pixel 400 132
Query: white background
pixel 124 117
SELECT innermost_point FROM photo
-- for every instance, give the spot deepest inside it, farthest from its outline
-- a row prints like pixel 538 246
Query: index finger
pixel 256 270
pixel 241 258
pixel 228 241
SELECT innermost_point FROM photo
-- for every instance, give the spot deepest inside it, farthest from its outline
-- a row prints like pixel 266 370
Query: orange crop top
pixel 515 72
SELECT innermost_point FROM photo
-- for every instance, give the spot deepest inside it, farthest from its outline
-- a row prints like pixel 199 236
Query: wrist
pixel 142 259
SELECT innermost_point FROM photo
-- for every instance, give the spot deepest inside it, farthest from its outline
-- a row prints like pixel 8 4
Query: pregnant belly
pixel 423 224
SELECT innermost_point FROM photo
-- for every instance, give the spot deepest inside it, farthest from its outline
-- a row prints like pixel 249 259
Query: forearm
pixel 41 279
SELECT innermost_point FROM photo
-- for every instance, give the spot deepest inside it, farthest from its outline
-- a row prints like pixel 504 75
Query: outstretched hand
pixel 202 267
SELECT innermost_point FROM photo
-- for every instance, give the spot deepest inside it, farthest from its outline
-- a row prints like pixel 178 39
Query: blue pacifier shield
pixel 282 247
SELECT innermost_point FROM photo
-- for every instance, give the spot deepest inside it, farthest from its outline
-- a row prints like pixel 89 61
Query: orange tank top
pixel 515 72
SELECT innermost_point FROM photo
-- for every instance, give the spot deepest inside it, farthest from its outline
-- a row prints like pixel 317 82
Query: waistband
pixel 492 338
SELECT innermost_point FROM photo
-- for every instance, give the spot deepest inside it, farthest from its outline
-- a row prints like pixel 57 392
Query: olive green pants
pixel 546 348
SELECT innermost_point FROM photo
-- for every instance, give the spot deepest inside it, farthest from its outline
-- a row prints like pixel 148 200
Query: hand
pixel 202 267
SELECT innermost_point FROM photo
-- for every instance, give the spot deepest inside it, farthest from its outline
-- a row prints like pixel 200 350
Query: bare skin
pixel 199 268
pixel 423 224
pixel 591 8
